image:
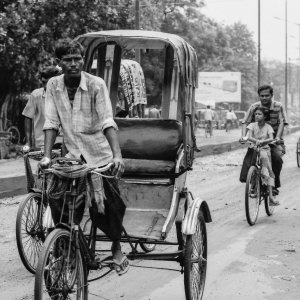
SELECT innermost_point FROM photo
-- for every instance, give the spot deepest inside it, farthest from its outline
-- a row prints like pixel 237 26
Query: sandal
pixel 274 202
pixel 121 267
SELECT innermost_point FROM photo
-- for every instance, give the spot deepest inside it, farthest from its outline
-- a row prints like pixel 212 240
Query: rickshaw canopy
pixel 141 39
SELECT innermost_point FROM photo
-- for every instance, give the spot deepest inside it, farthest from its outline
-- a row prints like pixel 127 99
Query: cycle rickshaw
pixel 158 153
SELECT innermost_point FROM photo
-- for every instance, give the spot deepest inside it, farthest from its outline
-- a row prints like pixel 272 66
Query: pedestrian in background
pixel 34 111
pixel 208 118
pixel 154 112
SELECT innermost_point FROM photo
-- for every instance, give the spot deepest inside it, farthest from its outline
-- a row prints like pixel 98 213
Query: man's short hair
pixel 67 46
pixel 49 71
pixel 265 87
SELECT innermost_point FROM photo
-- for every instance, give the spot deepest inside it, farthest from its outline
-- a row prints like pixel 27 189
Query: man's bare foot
pixel 121 263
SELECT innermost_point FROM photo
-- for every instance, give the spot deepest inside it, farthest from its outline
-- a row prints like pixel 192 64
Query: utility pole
pixel 258 50
pixel 286 63
pixel 298 73
pixel 137 26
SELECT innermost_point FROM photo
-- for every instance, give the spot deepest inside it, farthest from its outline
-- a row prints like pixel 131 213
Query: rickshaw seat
pixel 149 146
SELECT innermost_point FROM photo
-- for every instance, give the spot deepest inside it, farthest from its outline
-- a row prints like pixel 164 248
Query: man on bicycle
pixel 278 121
pixel 80 104
pixel 34 111
pixel 230 119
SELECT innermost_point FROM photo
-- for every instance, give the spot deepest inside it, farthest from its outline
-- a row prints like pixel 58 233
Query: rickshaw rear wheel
pixel 195 261
pixel 30 233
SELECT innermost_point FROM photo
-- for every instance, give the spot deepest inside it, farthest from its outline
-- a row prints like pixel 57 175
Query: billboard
pixel 214 87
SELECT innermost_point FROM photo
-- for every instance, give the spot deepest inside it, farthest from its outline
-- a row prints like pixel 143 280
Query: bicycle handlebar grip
pixel 103 169
pixel 65 159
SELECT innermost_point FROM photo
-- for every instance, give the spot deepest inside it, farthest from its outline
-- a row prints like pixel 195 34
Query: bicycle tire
pixel 30 233
pixel 298 153
pixel 252 195
pixel 61 272
pixel 195 261
pixel 15 134
pixel 269 208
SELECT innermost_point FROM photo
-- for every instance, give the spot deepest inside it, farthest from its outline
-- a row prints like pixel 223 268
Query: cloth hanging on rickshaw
pixel 133 83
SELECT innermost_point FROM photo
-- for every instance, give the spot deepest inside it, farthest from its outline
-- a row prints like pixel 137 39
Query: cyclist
pixel 261 134
pixel 208 118
pixel 278 121
pixel 230 119
pixel 80 104
pixel 34 111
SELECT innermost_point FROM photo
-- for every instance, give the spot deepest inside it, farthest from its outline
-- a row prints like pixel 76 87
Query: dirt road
pixel 259 262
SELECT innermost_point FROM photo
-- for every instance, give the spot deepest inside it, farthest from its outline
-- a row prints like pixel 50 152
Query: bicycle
pixel 208 129
pixel 255 191
pixel 30 231
pixel 298 152
pixel 68 255
pixel 228 125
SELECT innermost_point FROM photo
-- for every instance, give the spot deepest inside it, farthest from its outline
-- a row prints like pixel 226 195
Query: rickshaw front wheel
pixel 195 261
pixel 61 272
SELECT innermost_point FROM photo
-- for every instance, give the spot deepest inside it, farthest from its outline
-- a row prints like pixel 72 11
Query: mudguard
pixel 190 219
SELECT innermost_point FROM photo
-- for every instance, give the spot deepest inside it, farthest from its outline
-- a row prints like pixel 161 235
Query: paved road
pixel 260 262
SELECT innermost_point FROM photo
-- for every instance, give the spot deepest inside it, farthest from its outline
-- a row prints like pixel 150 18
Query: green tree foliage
pixel 219 48
pixel 29 29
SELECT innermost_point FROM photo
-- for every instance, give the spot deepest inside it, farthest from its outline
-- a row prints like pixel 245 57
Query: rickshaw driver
pixel 80 103
pixel 278 121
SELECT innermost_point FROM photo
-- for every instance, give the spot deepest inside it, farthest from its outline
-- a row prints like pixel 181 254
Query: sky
pixel 272 29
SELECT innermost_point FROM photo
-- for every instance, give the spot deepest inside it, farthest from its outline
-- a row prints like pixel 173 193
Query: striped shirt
pixel 83 123
pixel 277 115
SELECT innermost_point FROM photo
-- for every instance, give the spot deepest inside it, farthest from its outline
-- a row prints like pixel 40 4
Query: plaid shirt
pixel 84 123
pixel 277 115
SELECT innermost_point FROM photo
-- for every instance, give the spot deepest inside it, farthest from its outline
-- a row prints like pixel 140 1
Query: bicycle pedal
pixel 95 265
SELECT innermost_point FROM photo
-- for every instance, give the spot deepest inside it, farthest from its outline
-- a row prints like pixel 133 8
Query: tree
pixel 29 29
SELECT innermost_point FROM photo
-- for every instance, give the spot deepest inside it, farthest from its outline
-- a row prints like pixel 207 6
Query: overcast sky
pixel 272 29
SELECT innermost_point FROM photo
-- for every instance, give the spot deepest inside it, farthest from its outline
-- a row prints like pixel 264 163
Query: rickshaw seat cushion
pixel 149 139
pixel 148 167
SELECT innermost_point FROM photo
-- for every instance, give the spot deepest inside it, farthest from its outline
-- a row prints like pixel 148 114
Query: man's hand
pixel 243 139
pixel 258 143
pixel 45 162
pixel 118 167
pixel 278 140
pixel 26 148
